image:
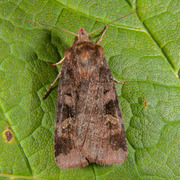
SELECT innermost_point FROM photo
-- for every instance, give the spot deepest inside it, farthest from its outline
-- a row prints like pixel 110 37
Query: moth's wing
pixel 67 155
pixel 105 140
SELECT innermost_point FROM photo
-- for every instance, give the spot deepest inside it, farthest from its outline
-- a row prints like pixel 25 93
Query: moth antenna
pixel 116 20
pixel 47 25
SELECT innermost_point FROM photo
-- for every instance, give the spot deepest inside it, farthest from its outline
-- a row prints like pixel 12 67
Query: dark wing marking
pixel 105 141
pixel 67 154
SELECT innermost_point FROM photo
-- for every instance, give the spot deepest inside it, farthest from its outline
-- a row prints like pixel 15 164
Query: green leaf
pixel 143 49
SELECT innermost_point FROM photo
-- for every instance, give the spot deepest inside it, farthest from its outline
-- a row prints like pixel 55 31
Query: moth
pixel 89 125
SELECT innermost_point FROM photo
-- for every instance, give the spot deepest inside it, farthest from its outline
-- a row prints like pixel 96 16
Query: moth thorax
pixel 85 64
pixel 84 58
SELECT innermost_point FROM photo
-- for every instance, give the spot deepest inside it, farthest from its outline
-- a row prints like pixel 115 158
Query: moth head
pixel 82 35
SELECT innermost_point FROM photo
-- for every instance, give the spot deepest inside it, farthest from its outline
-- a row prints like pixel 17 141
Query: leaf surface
pixel 143 49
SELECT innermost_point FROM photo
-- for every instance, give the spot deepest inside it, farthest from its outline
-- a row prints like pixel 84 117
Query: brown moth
pixel 89 125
